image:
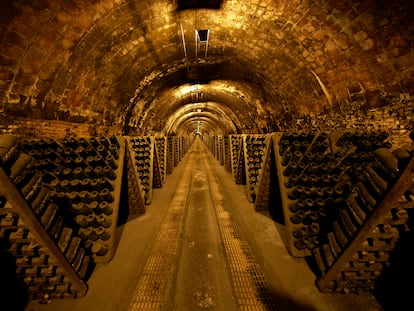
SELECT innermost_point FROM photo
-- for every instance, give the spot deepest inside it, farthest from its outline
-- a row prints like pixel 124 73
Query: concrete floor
pixel 183 246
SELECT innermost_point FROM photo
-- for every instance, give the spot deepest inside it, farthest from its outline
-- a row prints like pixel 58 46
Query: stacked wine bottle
pixel 84 178
pixel 149 160
pixel 357 245
pixel 219 142
pixel 161 151
pixel 254 151
pixel 237 159
pixel 51 259
pixel 227 154
pixel 171 154
pixel 178 151
pixel 143 153
pixel 136 204
pixel 345 198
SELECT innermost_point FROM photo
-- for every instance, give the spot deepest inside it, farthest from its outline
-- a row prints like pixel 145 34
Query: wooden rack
pixel 361 255
pixel 351 191
pixel 141 150
pixel 255 152
pixel 71 169
pixel 238 170
pixel 50 264
pixel 227 153
pixel 161 157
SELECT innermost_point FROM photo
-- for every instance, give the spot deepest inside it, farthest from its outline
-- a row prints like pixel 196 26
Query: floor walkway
pixel 201 246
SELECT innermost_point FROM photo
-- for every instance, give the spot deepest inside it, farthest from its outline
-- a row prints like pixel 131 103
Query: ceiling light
pixel 201 39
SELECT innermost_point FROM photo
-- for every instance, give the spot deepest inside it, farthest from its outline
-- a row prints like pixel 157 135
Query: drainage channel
pixel 154 286
pixel 250 288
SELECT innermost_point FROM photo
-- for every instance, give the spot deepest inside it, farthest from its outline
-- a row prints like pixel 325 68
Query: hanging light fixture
pixel 201 39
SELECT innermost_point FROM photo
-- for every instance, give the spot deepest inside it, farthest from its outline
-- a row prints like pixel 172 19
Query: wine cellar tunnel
pixel 118 115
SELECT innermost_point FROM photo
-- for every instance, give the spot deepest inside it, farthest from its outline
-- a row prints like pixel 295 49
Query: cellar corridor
pixel 206 155
pixel 202 246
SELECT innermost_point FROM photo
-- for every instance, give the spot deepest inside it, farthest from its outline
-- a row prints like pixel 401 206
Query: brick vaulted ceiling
pixel 132 63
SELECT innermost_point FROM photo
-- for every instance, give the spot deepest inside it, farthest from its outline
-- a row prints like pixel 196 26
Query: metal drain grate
pixel 152 291
pixel 250 288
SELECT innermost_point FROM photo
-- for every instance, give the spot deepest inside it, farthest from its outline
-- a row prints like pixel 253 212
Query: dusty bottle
pixel 283 146
pixel 114 140
pixel 80 162
pixel 79 173
pixel 98 172
pixel 105 208
pixel 81 209
pixel 299 205
pixel 102 151
pixel 111 161
pixel 104 220
pixel 114 150
pixel 104 142
pixel 105 195
pixel 104 183
pixel 82 221
pixel 92 222
pixel 297 155
pixel 99 249
pixel 297 193
pixel 292 180
pixel 298 217
pixel 109 173
pixel 89 233
pixel 103 234
pixel 286 157
pixel 313 180
pixel 311 168
pixel 94 206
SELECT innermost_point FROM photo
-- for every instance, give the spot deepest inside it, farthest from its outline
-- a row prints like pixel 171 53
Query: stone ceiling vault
pixel 132 63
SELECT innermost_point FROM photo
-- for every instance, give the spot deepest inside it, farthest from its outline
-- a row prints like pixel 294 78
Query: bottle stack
pixel 255 150
pixel 247 157
pixel 267 183
pixel 149 160
pixel 346 198
pixel 237 159
pixel 161 151
pixel 143 158
pixel 136 203
pixel 51 259
pixel 171 154
pixel 358 245
pixel 307 175
pixel 178 150
pixel 84 176
pixel 219 149
pixel 227 154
